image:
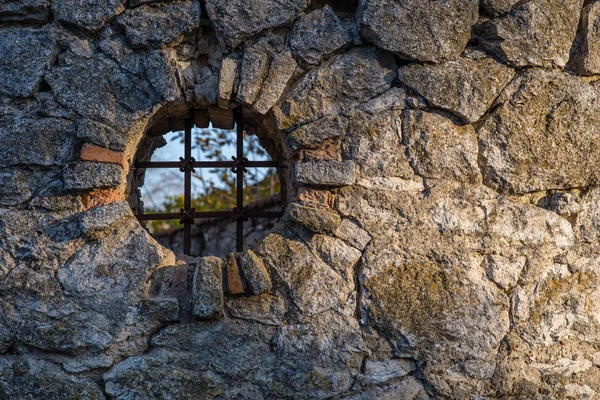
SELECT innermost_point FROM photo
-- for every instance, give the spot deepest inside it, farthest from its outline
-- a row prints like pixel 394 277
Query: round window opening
pixel 203 184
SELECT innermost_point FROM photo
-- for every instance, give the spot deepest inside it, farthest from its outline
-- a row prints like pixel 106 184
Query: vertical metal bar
pixel 187 195
pixel 239 240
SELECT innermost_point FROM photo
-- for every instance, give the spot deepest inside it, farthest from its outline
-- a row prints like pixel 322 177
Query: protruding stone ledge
pixel 254 271
pixel 316 218
pixel 326 173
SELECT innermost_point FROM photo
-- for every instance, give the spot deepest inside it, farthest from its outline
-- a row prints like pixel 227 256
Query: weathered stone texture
pixel 152 26
pixel 26 55
pixel 439 148
pixel 207 289
pixel 367 72
pixel 587 56
pixel 325 173
pixel 419 30
pixel 236 22
pixel 534 33
pixel 318 34
pixel 558 113
pixel 87 15
pixel 25 10
pixel 472 85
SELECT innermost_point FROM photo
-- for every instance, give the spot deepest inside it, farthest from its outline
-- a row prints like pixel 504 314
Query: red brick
pixel 90 152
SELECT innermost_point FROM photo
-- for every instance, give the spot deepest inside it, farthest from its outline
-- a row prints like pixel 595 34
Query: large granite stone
pixel 207 288
pixel 147 26
pixel 558 113
pixel 419 30
pixel 335 86
pixel 89 15
pixel 317 35
pixel 534 33
pixel 464 87
pixel 24 10
pixel 236 22
pixel 26 55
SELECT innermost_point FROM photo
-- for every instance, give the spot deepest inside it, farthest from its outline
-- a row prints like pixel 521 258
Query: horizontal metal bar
pixel 208 214
pixel 206 164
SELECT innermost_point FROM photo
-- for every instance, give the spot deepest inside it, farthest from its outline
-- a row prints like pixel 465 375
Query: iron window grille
pixel 187 165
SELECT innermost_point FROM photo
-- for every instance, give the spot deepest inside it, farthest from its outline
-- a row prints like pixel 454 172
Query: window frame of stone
pixel 187 164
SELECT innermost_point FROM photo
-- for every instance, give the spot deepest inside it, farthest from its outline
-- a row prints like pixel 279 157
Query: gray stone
pixel 353 234
pixel 419 30
pixel 336 86
pixel 43 141
pixel 498 7
pixel 227 78
pixel 101 135
pixel 504 271
pixel 439 148
pixel 314 133
pixel 163 309
pixel 102 218
pixel 317 35
pixel 587 57
pixel 89 15
pixel 255 66
pixel 314 217
pixel 534 33
pixel 242 20
pixel 93 175
pixel 255 273
pixel 265 309
pixel 23 377
pixel 559 112
pixel 374 143
pixel 281 69
pixel 161 70
pixel 465 87
pixel 377 372
pixel 206 90
pixel 19 185
pixel 99 89
pixel 147 26
pixel 25 10
pixel 87 363
pixel 26 55
pixel 407 389
pixel 207 289
pixel 325 173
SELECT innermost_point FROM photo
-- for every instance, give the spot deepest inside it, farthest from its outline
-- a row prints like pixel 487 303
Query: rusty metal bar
pixel 187 196
pixel 239 170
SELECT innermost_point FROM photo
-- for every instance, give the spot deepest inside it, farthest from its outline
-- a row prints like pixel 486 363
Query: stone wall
pixel 441 235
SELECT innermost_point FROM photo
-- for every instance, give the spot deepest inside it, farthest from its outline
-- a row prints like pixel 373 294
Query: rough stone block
pixel 377 372
pixel 281 70
pixel 423 30
pixel 315 132
pixel 89 15
pixel 353 234
pixel 101 135
pixel 465 87
pixel 318 34
pixel 234 279
pixel 164 23
pixel 268 310
pixel 207 288
pixel 255 66
pixel 533 33
pixel 103 217
pixel 316 218
pixel 238 21
pixel 87 175
pixel 207 88
pixel 439 148
pixel 255 273
pixel 504 271
pixel 326 173
pixel 44 141
pixel 587 57
pixel 227 78
pixel 24 10
pixel 164 309
pixel 26 55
